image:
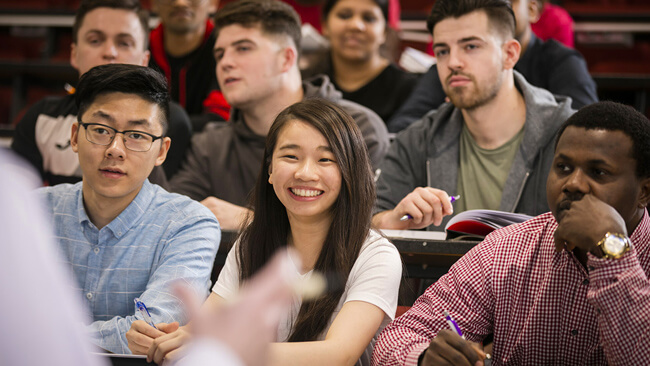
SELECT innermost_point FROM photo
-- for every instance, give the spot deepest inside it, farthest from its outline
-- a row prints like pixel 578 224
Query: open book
pixel 478 223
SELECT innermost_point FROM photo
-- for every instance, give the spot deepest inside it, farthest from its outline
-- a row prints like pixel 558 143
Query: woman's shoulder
pixel 377 243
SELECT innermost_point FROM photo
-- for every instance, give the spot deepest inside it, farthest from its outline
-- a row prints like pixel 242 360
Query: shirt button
pixel 585 282
pixel 89 296
pixel 574 332
pixel 598 310
pixel 96 250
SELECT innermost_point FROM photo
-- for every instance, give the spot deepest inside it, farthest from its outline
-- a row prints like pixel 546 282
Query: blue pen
pixel 142 309
pixel 452 199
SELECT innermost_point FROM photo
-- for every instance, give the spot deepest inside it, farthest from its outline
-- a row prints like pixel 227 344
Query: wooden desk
pixel 427 259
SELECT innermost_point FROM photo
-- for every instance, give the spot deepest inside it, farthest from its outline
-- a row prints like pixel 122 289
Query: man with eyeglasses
pixel 122 236
pixel 181 48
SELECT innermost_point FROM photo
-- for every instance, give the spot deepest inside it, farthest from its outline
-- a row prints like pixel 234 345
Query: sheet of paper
pixel 415 234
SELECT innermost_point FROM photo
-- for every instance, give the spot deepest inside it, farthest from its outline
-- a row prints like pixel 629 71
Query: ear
pixel 644 197
pixel 270 175
pixel 74 135
pixel 289 58
pixel 145 58
pixel 162 153
pixel 214 5
pixel 534 10
pixel 511 53
pixel 73 56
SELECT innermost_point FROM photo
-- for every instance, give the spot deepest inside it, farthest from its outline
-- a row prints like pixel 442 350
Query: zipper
pixel 521 191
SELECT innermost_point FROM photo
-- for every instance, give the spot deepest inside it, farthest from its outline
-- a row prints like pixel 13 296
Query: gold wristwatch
pixel 614 245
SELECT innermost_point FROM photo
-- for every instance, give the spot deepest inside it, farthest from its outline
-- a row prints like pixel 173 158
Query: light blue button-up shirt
pixel 158 239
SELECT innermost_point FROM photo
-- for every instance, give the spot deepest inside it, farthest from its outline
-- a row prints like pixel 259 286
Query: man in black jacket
pixel 104 31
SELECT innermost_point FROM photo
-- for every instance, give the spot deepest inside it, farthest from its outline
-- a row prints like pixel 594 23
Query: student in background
pixel 315 181
pixel 122 236
pixel 493 144
pixel 104 31
pixel 548 65
pixel 553 22
pixel 568 287
pixel 181 48
pixel 257 67
pixel 356 30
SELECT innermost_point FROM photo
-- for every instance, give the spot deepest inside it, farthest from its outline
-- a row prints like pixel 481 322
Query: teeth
pixel 306 192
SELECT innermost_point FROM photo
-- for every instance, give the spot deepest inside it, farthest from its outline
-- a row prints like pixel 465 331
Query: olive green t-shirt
pixel 483 172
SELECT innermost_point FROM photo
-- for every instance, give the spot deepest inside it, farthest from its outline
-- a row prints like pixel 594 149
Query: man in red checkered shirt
pixel 568 287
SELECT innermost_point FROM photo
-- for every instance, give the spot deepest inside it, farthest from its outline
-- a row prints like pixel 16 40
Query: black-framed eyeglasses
pixel 134 140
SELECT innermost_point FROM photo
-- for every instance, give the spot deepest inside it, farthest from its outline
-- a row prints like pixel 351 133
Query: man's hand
pixel 425 204
pixel 230 216
pixel 585 223
pixel 141 335
pixel 169 346
pixel 448 348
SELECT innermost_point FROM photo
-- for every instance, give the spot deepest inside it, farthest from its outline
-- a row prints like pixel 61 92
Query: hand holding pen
pixel 451 347
pixel 424 206
pixel 452 199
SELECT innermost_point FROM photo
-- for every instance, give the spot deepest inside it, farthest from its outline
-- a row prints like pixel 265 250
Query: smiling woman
pixel 357 31
pixel 314 193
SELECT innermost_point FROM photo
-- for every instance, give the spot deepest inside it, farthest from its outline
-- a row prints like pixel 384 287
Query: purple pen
pixel 452 199
pixel 452 324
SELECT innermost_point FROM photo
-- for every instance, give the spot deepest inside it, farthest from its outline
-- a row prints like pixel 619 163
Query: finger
pixel 445 354
pixel 175 355
pixel 440 202
pixel 166 347
pixel 141 326
pixel 465 347
pixel 167 328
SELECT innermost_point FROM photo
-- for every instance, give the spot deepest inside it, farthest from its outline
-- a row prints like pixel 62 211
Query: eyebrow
pixel 462 40
pixel 136 122
pixel 590 162
pixel 238 42
pixel 296 146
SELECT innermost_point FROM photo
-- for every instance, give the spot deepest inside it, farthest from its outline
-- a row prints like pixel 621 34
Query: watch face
pixel 614 245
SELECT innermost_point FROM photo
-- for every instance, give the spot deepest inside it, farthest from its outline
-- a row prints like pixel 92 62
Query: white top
pixel 374 278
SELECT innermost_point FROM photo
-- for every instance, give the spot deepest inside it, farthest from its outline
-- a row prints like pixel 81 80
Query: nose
pixel 109 51
pixel 576 183
pixel 116 149
pixel 455 61
pixel 307 171
pixel 357 23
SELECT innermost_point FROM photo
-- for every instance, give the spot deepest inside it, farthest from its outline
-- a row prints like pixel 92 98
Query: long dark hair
pixel 351 212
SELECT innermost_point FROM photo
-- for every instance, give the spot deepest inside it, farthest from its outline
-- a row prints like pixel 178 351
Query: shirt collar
pixel 129 217
pixel 640 235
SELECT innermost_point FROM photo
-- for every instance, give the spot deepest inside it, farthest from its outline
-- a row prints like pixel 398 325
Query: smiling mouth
pixel 306 192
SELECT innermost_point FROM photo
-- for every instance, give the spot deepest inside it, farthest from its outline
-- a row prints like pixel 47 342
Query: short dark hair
pixel 329 4
pixel 613 116
pixel 274 17
pixel 142 81
pixel 87 6
pixel 499 13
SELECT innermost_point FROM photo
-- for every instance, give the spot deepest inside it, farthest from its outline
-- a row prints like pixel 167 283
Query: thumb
pixel 479 349
pixel 168 328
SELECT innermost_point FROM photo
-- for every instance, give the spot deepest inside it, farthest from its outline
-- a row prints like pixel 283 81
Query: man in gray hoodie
pixel 257 68
pixel 493 144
